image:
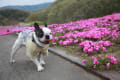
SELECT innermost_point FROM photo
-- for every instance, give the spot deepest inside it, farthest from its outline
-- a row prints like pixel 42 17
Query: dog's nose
pixel 47 37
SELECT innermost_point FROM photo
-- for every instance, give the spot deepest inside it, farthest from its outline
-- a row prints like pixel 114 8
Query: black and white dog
pixel 36 42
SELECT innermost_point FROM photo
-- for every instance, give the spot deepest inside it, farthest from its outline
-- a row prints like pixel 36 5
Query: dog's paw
pixel 42 62
pixel 40 69
pixel 12 61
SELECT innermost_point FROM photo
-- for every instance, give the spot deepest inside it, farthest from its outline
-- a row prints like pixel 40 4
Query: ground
pixel 113 73
pixel 55 69
pixel 74 50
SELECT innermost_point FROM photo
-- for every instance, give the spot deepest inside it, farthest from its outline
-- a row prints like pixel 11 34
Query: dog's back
pixel 25 35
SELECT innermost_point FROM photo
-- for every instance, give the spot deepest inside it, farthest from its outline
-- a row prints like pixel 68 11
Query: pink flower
pixel 109 56
pixel 75 36
pixel 61 42
pixel 118 59
pixel 104 49
pixel 54 43
pixel 107 43
pixel 90 50
pixel 97 48
pixel 81 45
pixel 85 49
pixel 94 66
pixel 93 57
pixel 95 60
pixel 76 41
pixel 101 42
pixel 113 60
pixel 56 38
pixel 81 40
pixel 108 65
pixel 83 61
pixel 65 43
pixel 101 57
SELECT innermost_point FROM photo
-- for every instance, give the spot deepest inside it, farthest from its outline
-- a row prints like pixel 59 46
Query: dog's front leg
pixel 42 62
pixel 37 63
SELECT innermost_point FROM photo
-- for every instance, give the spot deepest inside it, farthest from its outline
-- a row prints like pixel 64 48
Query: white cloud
pixel 22 2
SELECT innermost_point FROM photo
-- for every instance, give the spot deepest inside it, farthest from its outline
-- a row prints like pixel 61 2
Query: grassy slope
pixel 12 16
pixel 67 10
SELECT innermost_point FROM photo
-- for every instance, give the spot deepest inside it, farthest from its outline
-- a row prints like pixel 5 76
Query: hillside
pixel 29 8
pixel 68 10
pixel 12 16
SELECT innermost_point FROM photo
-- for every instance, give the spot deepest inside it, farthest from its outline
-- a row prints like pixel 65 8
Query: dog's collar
pixel 33 40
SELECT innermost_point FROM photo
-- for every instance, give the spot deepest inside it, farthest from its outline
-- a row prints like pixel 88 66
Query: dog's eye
pixel 40 34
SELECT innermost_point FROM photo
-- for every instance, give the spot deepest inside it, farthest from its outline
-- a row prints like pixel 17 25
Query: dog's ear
pixel 36 26
pixel 45 25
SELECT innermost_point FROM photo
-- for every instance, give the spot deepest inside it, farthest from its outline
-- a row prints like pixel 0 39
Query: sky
pixel 22 2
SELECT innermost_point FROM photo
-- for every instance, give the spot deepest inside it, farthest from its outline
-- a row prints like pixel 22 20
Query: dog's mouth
pixel 46 42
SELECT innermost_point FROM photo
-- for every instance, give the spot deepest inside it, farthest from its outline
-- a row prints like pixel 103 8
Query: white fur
pixel 39 43
pixel 47 32
pixel 33 51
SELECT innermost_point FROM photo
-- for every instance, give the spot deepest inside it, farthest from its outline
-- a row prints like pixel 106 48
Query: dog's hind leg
pixel 35 59
pixel 15 47
pixel 37 63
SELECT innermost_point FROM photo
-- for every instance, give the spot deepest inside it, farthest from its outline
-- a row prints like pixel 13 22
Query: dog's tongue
pixel 46 41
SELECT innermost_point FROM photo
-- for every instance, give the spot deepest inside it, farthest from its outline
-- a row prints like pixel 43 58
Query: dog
pixel 36 43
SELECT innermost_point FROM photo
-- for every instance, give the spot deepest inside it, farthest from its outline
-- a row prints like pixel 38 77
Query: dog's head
pixel 43 34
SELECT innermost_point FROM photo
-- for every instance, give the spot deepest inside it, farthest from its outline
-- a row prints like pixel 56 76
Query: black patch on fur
pixel 47 37
pixel 36 26
pixel 33 40
pixel 38 31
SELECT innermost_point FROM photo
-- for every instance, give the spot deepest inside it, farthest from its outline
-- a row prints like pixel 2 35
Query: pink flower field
pixel 90 35
pixel 93 34
pixel 4 30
